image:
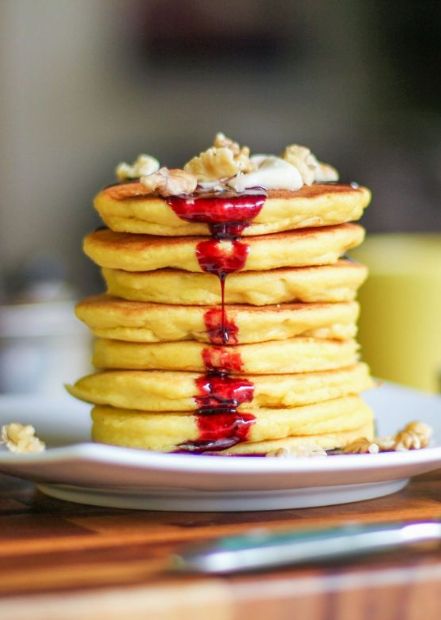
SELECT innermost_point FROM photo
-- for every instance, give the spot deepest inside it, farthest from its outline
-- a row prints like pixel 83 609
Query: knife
pixel 262 549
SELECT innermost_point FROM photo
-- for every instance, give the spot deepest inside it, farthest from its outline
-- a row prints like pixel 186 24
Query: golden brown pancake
pixel 326 441
pixel 314 205
pixel 157 390
pixel 305 247
pixel 167 431
pixel 273 357
pixel 328 283
pixel 118 319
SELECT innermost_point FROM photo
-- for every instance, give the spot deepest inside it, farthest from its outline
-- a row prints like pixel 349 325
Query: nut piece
pixel 305 162
pixel 221 141
pixel 213 164
pixel 21 438
pixel 306 449
pixel 221 161
pixel 142 166
pixel 325 173
pixel 385 443
pixel 414 436
pixel 308 165
pixel 362 446
pixel 170 182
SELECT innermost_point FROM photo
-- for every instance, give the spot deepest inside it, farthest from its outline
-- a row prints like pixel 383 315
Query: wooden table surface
pixel 66 561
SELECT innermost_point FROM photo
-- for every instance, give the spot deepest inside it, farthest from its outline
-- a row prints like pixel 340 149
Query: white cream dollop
pixel 270 172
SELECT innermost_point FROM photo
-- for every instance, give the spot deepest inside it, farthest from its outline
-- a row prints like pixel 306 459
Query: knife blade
pixel 263 549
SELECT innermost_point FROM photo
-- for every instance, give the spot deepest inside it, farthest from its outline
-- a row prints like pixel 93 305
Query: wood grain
pixel 63 560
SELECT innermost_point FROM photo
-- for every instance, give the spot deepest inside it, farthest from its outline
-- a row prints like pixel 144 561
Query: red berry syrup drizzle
pixel 220 424
pixel 220 328
pixel 219 392
pixel 227 214
pixel 221 360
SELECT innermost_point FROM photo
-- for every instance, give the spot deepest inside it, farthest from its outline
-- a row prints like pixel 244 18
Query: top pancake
pixel 128 208
pixel 306 247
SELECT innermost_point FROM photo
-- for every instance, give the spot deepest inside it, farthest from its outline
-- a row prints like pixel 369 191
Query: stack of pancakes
pixel 276 367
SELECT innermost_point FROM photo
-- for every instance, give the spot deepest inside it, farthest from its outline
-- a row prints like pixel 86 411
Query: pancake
pixel 114 318
pixel 305 247
pixel 181 391
pixel 274 357
pixel 326 441
pixel 167 431
pixel 328 283
pixel 313 205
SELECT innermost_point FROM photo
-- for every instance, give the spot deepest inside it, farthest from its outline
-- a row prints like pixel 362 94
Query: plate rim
pixel 140 459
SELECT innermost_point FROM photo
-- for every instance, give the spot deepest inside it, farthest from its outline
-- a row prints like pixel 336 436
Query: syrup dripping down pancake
pixel 118 319
pixel 306 247
pixel 172 431
pixel 181 391
pixel 127 208
pixel 273 357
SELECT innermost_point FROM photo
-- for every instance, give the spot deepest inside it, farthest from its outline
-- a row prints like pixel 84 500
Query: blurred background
pixel 88 83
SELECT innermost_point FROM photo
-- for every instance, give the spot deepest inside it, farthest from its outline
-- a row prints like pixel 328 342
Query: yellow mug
pixel 400 323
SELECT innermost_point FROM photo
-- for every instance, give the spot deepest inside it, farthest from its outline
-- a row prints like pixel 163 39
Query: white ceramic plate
pixel 74 470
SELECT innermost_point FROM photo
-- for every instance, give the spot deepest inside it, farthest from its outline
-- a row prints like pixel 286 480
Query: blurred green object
pixel 400 324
